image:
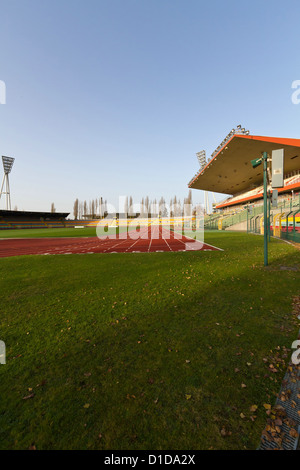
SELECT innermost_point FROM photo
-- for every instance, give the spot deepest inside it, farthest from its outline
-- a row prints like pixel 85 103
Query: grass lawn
pixel 48 232
pixel 59 232
pixel 145 351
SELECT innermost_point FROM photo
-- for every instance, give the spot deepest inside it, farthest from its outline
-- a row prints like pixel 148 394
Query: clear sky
pixel 114 97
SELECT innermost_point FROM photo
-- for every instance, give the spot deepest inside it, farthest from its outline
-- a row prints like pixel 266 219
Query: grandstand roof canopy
pixel 230 170
pixel 28 215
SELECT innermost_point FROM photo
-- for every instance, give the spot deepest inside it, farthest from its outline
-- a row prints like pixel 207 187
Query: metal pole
pixel 1 191
pixel 8 194
pixel 269 218
pixel 265 161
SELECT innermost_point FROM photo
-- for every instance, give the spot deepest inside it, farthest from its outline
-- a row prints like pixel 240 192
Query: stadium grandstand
pixel 31 220
pixel 26 219
pixel 229 171
pixel 10 220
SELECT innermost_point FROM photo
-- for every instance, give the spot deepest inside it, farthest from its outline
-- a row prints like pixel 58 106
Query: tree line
pixel 97 208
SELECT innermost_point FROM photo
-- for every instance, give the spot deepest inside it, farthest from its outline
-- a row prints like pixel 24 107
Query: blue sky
pixel 114 97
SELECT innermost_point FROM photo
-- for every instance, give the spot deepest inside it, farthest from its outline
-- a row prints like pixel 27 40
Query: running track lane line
pixel 17 247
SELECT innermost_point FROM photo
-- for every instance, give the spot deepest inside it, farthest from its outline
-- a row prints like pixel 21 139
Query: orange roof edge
pixel 258 196
pixel 275 140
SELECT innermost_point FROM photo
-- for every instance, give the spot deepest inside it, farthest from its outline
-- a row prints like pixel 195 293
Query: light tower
pixel 201 158
pixel 202 162
pixel 7 166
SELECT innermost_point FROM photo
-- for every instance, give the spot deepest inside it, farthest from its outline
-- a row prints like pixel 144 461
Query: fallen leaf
pixel 267 406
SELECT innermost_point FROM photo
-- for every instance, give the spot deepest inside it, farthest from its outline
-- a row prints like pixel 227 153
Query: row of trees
pixel 174 209
pixel 97 208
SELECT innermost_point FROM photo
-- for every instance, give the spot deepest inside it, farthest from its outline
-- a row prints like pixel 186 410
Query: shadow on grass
pixel 143 352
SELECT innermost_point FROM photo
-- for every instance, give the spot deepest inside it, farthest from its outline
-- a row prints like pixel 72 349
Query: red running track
pixel 152 239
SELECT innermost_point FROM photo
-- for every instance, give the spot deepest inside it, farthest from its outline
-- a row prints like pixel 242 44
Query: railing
pixel 283 222
pixel 288 210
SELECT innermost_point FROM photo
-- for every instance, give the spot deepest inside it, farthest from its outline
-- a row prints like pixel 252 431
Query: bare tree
pixel 163 212
pixel 142 208
pixel 147 205
pixel 75 209
pixel 188 204
pixel 126 206
pixel 102 207
pixel 176 207
pixel 153 207
pixel 171 208
pixel 160 206
pixel 80 214
pixel 130 209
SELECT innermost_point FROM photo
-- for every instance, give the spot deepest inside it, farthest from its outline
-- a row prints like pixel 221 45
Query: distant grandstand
pixel 229 171
pixel 26 219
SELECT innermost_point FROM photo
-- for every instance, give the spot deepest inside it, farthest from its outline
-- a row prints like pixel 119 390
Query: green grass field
pixel 49 232
pixel 145 351
pixel 59 232
pixel 64 232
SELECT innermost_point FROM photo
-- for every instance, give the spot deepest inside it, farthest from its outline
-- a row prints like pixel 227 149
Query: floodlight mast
pixel 239 130
pixel 7 166
pixel 201 156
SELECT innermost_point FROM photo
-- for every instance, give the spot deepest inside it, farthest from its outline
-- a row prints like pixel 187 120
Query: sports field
pixel 146 350
pixel 144 240
pixel 50 232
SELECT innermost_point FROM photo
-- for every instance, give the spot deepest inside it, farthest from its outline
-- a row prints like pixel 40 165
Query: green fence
pixel 211 222
pixel 289 214
pixel 290 217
